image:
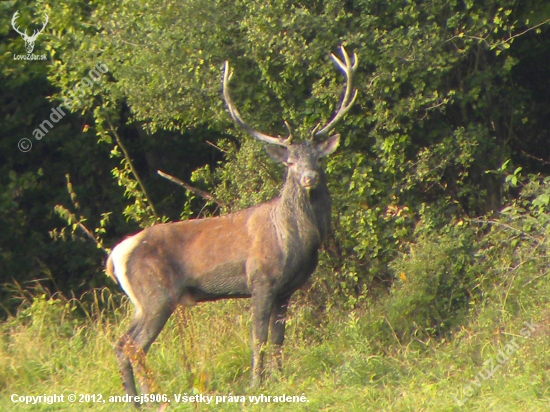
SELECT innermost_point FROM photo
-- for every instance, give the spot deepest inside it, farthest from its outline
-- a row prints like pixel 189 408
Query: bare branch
pixel 199 192
pixel 216 146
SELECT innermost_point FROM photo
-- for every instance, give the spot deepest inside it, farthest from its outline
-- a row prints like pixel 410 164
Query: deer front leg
pixel 262 304
pixel 277 327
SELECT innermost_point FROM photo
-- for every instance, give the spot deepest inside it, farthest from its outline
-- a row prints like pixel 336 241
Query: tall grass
pixel 450 337
pixel 50 349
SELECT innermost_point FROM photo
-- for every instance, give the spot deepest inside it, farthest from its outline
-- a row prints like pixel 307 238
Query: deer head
pixel 302 159
pixel 29 40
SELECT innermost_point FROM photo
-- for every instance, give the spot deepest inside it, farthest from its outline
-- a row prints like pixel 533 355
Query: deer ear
pixel 328 146
pixel 277 153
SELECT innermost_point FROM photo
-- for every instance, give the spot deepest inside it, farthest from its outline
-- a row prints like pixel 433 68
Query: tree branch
pixel 199 192
pixel 134 171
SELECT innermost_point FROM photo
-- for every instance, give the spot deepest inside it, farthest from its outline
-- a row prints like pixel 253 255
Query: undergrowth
pixel 464 327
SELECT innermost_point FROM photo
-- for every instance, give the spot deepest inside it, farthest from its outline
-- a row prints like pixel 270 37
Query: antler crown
pixel 348 66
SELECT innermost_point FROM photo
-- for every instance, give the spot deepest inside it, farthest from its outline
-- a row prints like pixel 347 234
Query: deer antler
pixel 349 69
pixel 236 116
pixel 15 27
pixel 37 32
pixel 25 35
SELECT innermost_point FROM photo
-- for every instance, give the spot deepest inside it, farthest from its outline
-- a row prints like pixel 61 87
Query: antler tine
pixel 14 24
pixel 38 32
pixel 315 130
pixel 288 140
pixel 236 116
pixel 45 23
pixel 349 69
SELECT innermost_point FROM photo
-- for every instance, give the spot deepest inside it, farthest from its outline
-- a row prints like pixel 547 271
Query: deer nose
pixel 309 179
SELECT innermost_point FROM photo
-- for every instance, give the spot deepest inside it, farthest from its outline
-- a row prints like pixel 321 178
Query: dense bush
pixel 440 200
pixel 447 107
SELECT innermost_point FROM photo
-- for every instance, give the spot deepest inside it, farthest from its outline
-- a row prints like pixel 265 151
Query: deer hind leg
pixel 277 330
pixel 124 361
pixel 134 345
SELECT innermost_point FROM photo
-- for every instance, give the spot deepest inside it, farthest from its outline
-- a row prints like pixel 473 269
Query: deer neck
pixel 303 215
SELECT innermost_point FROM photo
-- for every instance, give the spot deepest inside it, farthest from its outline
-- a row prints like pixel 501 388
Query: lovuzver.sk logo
pixel 29 40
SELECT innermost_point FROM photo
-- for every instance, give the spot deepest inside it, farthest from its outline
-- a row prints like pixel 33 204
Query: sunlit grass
pixel 52 348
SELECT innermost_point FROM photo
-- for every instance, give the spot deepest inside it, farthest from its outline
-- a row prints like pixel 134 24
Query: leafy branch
pixel 76 221
pixel 132 168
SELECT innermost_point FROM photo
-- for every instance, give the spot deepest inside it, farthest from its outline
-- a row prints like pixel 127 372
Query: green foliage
pixel 46 316
pixel 141 210
pixel 446 98
pixel 246 178
pixel 440 197
pixel 76 223
pixel 450 271
pixel 437 281
pixel 515 249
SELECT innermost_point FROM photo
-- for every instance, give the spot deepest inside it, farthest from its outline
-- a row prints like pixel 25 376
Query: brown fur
pixel 264 253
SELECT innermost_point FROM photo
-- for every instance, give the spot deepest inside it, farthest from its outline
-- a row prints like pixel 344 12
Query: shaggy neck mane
pixel 303 216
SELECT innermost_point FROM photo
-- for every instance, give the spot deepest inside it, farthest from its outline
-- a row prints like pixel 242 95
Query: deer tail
pixel 110 269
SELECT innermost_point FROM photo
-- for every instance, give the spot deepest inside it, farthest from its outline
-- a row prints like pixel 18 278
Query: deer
pixel 29 40
pixel 264 253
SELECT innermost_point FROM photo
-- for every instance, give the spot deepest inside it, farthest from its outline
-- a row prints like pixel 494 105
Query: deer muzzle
pixel 309 179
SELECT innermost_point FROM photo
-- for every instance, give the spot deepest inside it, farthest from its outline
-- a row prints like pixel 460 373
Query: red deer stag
pixel 264 253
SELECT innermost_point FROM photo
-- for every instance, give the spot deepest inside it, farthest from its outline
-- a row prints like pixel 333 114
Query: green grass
pixel 338 360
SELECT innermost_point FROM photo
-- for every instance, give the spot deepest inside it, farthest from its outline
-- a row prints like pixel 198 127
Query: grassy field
pixel 337 360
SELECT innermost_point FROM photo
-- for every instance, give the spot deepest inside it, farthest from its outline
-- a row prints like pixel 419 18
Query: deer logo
pixel 29 40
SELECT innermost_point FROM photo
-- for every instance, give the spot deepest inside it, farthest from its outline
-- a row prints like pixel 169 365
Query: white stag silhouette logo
pixel 29 40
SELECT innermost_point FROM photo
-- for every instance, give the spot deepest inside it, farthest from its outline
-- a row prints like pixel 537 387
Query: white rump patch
pixel 120 255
